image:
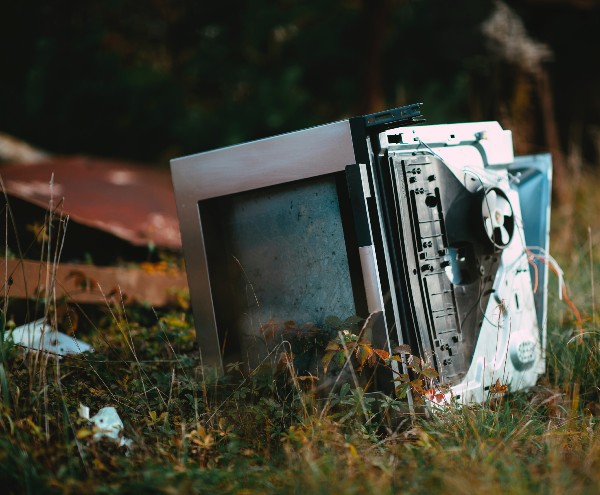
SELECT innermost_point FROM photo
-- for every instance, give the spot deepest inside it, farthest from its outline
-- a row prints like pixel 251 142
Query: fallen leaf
pixel 382 354
pixel 402 349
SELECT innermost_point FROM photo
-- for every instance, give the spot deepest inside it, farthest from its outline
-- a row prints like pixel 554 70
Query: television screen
pixel 277 254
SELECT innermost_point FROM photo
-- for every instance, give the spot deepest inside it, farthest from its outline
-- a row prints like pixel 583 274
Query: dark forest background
pixel 153 80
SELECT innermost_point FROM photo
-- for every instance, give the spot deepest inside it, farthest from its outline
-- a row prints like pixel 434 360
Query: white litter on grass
pixel 83 411
pixel 40 336
pixel 107 424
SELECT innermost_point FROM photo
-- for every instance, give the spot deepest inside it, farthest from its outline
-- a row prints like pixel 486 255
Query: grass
pixel 272 433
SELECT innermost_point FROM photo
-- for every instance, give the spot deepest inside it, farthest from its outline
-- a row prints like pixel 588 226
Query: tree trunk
pixel 561 185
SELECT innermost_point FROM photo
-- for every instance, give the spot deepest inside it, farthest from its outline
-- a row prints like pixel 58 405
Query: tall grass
pixel 267 432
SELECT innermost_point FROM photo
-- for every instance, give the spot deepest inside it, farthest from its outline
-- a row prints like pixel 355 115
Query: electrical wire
pixel 551 263
pixel 542 255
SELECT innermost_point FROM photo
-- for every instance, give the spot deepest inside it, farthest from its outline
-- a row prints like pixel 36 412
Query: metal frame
pixel 276 160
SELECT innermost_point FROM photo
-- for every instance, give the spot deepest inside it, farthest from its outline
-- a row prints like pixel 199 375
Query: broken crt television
pixel 427 228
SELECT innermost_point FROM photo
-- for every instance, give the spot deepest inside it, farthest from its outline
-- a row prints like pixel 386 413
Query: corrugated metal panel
pixel 133 202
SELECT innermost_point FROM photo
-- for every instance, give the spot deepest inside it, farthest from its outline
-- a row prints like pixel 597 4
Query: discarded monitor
pixel 424 227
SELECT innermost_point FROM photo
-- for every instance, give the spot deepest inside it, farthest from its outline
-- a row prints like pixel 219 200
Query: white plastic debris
pixel 107 424
pixel 40 336
pixel 83 411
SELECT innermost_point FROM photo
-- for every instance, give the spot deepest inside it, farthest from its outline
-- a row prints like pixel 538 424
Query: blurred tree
pixel 160 79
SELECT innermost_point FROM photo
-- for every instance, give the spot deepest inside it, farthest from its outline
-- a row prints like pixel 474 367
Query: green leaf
pixel 402 390
pixel 340 358
pixel 353 320
pixel 344 390
pixel 430 373
pixel 4 385
pixel 334 322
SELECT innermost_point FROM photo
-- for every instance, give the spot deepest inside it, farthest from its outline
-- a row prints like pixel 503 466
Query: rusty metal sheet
pixel 150 284
pixel 133 202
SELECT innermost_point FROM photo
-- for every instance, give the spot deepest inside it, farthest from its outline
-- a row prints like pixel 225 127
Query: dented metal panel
pixel 133 202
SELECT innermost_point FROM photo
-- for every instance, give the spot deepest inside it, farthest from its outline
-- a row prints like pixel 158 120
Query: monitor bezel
pixel 304 154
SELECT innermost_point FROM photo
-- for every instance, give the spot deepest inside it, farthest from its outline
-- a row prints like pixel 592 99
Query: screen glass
pixel 276 254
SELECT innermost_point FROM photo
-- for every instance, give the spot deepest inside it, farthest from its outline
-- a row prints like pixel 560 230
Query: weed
pixel 273 430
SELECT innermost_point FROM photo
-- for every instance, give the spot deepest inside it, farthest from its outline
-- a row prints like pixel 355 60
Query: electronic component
pixel 423 227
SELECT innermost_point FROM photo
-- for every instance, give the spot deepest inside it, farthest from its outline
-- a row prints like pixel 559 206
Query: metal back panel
pixel 535 191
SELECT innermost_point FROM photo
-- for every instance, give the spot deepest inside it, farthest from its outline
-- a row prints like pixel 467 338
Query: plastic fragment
pixel 83 411
pixel 38 335
pixel 107 424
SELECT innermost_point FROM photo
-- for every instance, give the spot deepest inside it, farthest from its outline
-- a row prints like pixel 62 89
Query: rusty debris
pixel 154 284
pixel 133 202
